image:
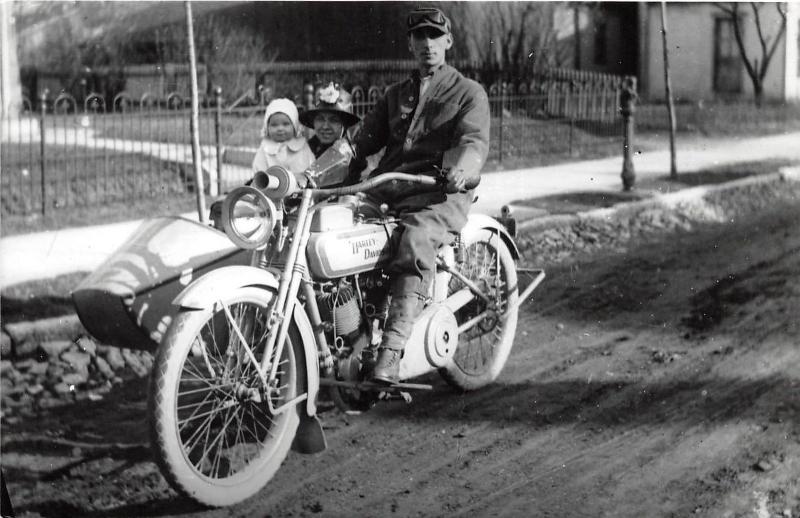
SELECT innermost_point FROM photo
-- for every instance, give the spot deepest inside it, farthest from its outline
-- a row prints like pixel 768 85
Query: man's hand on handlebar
pixel 456 181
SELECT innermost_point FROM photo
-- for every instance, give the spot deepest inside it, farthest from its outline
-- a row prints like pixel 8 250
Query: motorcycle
pixel 291 317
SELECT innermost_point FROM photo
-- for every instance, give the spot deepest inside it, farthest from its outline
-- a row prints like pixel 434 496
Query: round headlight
pixel 248 217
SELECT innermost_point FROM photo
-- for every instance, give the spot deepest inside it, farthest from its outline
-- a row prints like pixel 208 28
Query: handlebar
pixel 371 183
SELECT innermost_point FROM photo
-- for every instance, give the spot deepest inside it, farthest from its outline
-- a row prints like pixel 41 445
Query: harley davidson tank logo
pixel 364 245
pixel 369 248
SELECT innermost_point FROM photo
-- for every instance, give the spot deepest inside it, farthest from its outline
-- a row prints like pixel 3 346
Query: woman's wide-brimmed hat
pixel 334 100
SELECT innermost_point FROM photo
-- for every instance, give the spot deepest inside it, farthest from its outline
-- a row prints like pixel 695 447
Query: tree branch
pixel 737 32
pixel 757 20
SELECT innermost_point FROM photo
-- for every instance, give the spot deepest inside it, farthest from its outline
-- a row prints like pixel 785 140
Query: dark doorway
pixel 727 61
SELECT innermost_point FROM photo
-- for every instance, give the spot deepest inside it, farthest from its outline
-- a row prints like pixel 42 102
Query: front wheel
pixel 215 439
pixel 483 349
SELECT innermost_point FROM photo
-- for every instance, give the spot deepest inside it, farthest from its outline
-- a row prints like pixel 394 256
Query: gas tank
pixel 358 248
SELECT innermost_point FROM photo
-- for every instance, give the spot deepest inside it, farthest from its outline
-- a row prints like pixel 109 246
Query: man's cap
pixel 428 17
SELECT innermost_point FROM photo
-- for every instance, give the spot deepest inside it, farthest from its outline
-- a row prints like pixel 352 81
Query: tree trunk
pixel 673 169
pixel 758 93
pixel 195 126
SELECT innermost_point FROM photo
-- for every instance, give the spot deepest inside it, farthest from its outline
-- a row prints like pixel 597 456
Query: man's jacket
pixel 454 117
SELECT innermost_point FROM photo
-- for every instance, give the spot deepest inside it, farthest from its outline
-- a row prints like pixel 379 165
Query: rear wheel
pixel 483 349
pixel 215 439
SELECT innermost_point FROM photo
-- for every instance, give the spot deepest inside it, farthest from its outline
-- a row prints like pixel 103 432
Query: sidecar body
pixel 127 301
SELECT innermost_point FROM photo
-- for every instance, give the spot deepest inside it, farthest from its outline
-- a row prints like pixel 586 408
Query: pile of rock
pixel 556 239
pixel 64 371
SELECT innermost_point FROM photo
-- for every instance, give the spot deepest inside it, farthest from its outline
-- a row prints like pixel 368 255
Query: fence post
pixel 627 108
pixel 571 130
pixel 42 147
pixel 502 109
pixel 217 121
pixel 308 96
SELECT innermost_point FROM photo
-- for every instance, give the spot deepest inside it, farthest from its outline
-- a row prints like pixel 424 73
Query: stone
pixel 147 360
pixel 54 349
pixel 39 368
pixel 35 389
pixel 77 360
pixel 114 358
pixel 103 367
pixel 5 367
pixel 24 365
pixel 135 363
pixel 61 388
pixel 55 370
pixel 63 327
pixel 25 348
pixel 6 345
pixel 75 378
pixel 87 345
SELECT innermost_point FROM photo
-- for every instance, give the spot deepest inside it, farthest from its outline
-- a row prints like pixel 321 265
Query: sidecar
pixel 127 301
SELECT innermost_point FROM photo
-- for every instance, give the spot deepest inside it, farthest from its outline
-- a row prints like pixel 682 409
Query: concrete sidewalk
pixel 49 254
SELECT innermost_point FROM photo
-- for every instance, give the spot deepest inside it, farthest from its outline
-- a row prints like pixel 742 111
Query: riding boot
pixel 403 312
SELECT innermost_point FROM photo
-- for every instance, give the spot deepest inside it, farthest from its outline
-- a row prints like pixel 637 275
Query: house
pixel 704 59
pixel 622 38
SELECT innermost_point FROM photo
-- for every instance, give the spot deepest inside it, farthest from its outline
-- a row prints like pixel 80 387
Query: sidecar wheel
pixel 483 350
pixel 213 434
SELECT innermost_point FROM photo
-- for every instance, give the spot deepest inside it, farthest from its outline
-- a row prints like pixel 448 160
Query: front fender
pixel 482 221
pixel 216 284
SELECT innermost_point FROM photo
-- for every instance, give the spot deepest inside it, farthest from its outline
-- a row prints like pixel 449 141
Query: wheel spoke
pixel 212 407
pixel 476 349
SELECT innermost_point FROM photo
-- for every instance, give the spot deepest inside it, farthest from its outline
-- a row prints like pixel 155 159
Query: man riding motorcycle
pixel 436 119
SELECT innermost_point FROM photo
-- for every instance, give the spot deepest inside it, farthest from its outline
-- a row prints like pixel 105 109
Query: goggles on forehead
pixel 433 16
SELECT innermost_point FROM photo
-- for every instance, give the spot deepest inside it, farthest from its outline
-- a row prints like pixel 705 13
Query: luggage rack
pixel 534 277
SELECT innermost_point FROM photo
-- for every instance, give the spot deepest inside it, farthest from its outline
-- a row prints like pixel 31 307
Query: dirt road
pixel 663 381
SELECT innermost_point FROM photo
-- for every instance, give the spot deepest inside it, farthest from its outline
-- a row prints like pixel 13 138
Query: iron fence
pixel 63 153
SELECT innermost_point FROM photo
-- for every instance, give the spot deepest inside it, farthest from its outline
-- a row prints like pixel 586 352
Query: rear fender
pixel 216 284
pixel 477 222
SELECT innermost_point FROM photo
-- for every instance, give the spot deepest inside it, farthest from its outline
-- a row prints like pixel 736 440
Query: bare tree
pixel 756 66
pixel 514 37
pixel 231 54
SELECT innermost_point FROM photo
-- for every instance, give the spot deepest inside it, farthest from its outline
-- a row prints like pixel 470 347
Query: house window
pixel 600 43
pixel 727 61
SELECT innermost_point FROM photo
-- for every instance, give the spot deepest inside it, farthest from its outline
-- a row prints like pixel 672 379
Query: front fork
pixel 279 317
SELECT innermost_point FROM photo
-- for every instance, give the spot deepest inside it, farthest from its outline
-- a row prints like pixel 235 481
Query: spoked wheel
pixel 484 348
pixel 215 439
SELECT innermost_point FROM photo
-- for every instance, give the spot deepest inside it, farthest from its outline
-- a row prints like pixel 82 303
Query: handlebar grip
pixel 468 186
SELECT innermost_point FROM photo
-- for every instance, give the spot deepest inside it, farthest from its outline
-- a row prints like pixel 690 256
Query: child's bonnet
pixel 294 154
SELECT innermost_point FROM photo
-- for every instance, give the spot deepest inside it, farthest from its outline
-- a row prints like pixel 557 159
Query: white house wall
pixel 792 72
pixel 690 35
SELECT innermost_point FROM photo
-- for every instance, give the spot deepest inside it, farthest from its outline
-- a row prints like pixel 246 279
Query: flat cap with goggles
pixel 428 17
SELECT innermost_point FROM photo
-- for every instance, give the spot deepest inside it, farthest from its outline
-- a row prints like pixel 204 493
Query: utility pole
pixel 195 125
pixel 673 168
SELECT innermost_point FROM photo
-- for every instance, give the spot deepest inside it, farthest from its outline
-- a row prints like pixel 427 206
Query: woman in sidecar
pixel 330 118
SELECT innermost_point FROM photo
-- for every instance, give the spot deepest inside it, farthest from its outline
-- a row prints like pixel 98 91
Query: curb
pixel 541 239
pixel 689 195
pixel 551 239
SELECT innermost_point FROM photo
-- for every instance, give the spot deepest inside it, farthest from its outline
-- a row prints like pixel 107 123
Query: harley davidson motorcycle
pixel 249 340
